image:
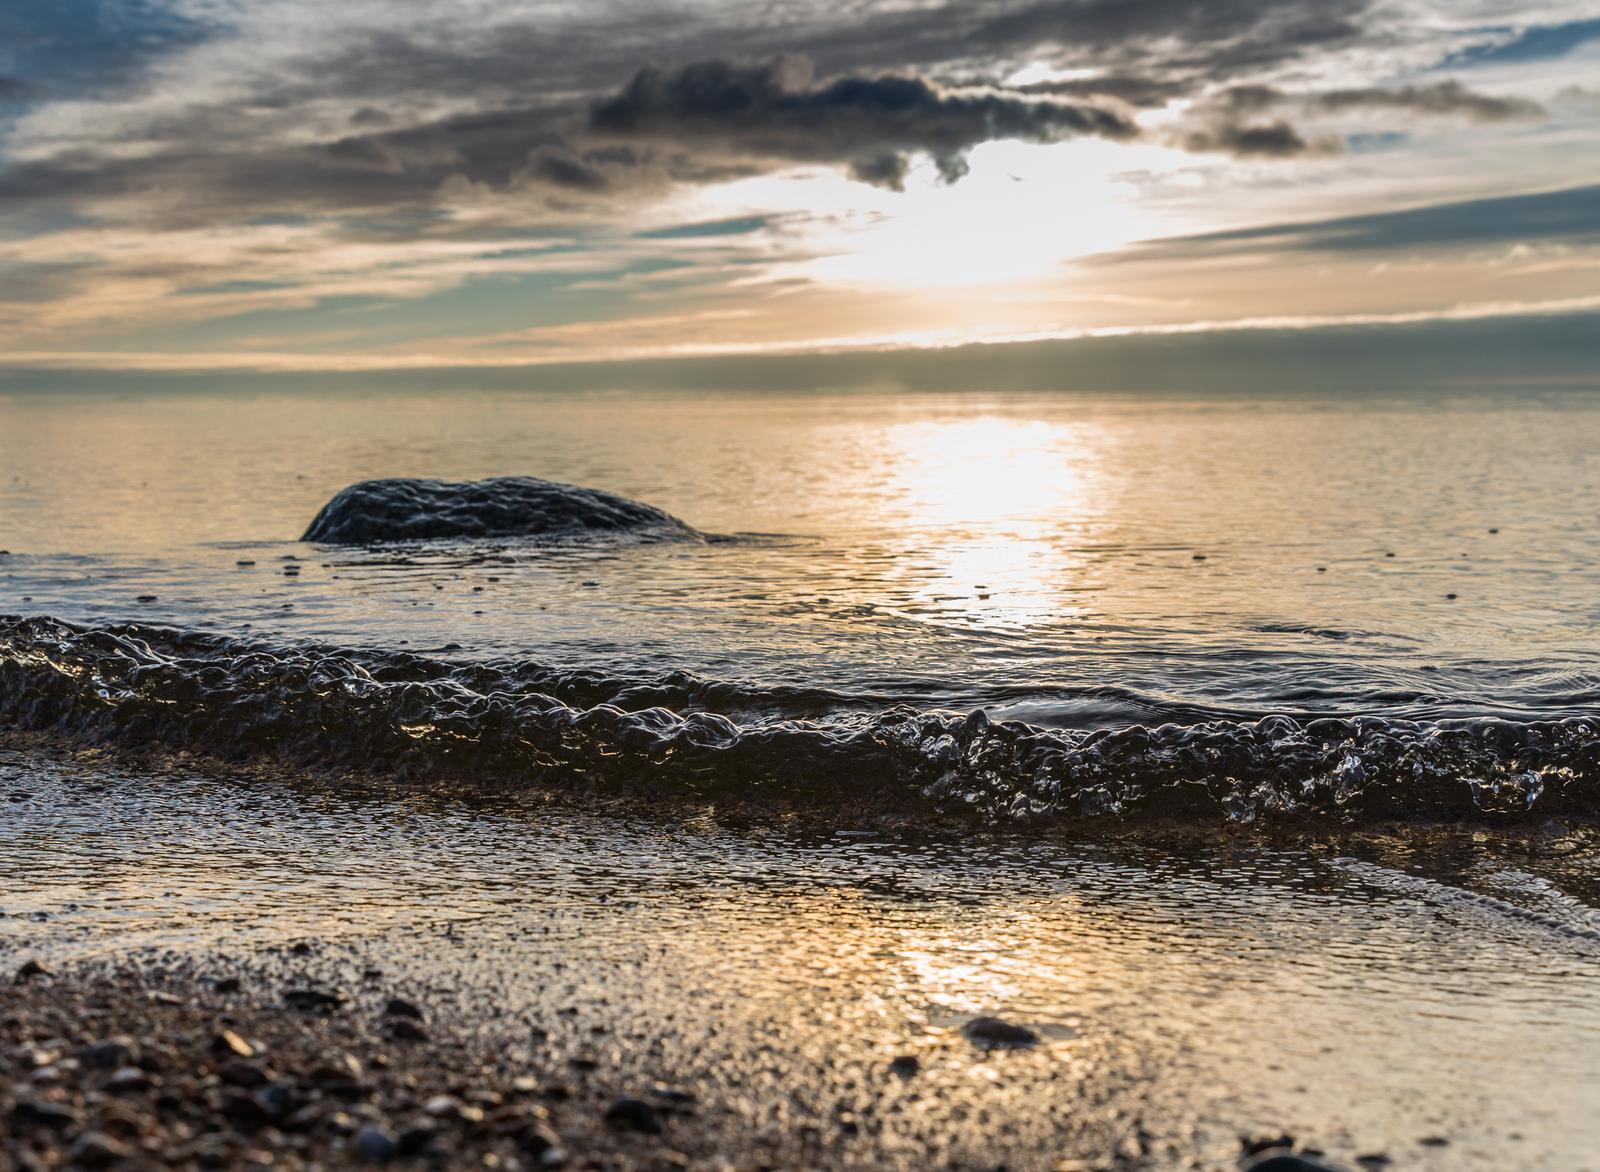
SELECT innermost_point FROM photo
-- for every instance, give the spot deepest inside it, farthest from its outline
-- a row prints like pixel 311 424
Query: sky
pixel 284 185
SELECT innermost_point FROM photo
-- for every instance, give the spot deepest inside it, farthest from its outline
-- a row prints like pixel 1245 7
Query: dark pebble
pixel 374 1144
pixel 1287 1163
pixel 538 1140
pixel 634 1115
pixel 108 1055
pixel 1376 1159
pixel 57 1116
pixel 399 1008
pixel 416 1137
pixel 227 985
pixel 661 1092
pixel 302 948
pixel 145 598
pixel 407 1030
pixel 31 969
pixel 996 1032
pixel 1434 1141
pixel 1449 595
pixel 1199 557
pixel 244 563
pixel 95 1149
pixel 1254 1147
pixel 905 1064
pixel 277 1099
pixel 312 999
pixel 244 1074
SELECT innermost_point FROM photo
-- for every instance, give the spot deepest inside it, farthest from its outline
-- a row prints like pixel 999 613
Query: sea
pixel 1055 621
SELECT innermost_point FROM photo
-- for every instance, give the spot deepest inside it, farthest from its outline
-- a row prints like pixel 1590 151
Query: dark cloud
pixel 770 109
pixel 1277 140
pixel 1569 216
pixel 1445 97
pixel 1146 92
pixel 14 89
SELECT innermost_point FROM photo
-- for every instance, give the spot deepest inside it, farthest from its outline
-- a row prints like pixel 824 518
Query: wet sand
pixel 1424 995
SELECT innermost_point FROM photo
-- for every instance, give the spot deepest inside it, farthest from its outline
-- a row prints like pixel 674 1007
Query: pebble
pixel 995 1032
pixel 57 1116
pixel 244 1074
pixel 634 1115
pixel 1287 1162
pixel 129 1079
pixel 227 985
pixel 95 1148
pixel 161 998
pixel 228 1042
pixel 406 1030
pixel 31 969
pixel 401 1008
pixel 312 999
pixel 905 1065
pixel 109 1055
pixel 375 1144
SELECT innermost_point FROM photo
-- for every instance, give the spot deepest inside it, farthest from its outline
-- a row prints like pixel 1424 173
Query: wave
pixel 415 717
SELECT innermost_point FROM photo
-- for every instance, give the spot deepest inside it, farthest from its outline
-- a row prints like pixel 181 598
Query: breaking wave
pixel 417 717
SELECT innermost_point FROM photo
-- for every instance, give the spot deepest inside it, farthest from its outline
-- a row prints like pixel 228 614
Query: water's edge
pixel 416 717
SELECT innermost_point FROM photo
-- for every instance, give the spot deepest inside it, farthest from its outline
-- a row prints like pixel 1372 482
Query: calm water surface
pixel 1070 560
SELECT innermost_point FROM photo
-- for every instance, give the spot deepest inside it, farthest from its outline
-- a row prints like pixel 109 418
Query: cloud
pixel 1223 116
pixel 771 109
pixel 1570 216
pixel 1539 43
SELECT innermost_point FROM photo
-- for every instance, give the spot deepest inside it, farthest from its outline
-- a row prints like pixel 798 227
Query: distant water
pixel 1375 602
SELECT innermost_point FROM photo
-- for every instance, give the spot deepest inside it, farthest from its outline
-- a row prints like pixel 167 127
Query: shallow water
pixel 1362 1002
pixel 1032 555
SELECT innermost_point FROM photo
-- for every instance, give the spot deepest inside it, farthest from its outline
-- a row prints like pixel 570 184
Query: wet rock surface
pixel 507 506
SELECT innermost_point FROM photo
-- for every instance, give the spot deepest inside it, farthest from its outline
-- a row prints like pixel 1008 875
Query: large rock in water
pixel 507 506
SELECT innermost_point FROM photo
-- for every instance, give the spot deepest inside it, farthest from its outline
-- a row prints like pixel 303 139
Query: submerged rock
pixel 506 506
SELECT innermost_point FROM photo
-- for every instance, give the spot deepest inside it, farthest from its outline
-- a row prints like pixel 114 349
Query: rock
pixel 1287 1162
pixel 406 1030
pixel 993 1031
pixel 244 1074
pixel 374 1144
pixel 161 998
pixel 227 985
pixel 416 1137
pixel 1254 1147
pixel 508 506
pixel 229 1043
pixel 313 998
pixel 109 1055
pixel 905 1065
pixel 443 1107
pixel 671 1096
pixel 277 1099
pixel 401 1008
pixel 302 948
pixel 96 1148
pixel 56 1116
pixel 130 1080
pixel 633 1115
pixel 31 969
pixel 538 1140
pixel 244 1111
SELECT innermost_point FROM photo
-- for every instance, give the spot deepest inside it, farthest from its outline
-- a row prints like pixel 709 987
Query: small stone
pixel 227 985
pixel 375 1144
pixel 130 1080
pixel 228 1042
pixel 302 948
pixel 443 1107
pixel 109 1055
pixel 1374 1161
pixel 313 999
pixel 1287 1162
pixel 406 1030
pixel 905 1065
pixel 634 1115
pixel 277 1099
pixel 31 969
pixel 398 1007
pixel 416 1137
pixel 673 1096
pixel 161 998
pixel 538 1140
pixel 95 1148
pixel 995 1032
pixel 244 1074
pixel 56 1116
pixel 1434 1141
pixel 1254 1147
